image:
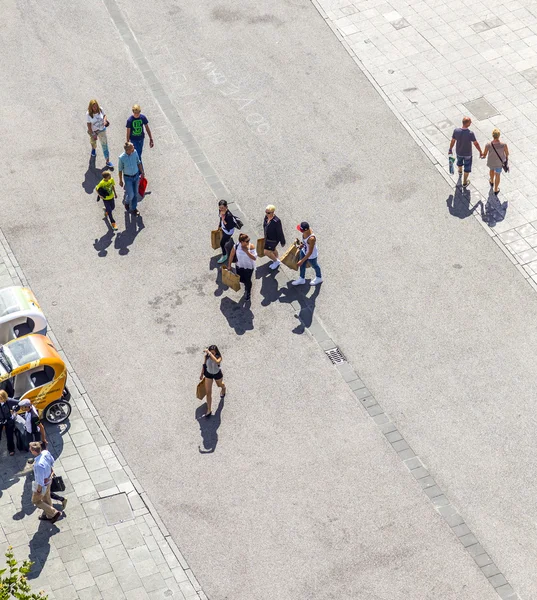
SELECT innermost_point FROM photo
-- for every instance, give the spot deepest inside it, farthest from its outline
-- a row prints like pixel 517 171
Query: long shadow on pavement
pixel 458 203
pixel 307 304
pixel 103 243
pixel 91 177
pixel 494 210
pixel 133 225
pixel 209 427
pixel 220 287
pixel 270 289
pixel 238 314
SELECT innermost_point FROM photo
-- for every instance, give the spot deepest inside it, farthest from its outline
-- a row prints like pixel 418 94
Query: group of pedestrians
pixel 244 253
pixel 34 440
pixel 130 166
pixel 496 153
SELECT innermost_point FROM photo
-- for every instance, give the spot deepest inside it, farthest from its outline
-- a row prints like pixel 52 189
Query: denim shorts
pixel 467 161
pixel 497 169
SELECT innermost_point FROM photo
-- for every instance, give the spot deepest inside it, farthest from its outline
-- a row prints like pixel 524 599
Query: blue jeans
pixel 138 143
pixel 131 190
pixel 313 262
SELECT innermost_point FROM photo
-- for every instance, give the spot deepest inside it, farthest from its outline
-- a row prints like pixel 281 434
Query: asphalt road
pixel 289 492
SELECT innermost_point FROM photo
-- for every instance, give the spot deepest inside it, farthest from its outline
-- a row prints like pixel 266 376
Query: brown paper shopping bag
pixel 200 390
pixel 260 247
pixel 290 257
pixel 216 238
pixel 230 279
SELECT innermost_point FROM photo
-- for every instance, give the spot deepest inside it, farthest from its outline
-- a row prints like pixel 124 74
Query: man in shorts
pixel 464 138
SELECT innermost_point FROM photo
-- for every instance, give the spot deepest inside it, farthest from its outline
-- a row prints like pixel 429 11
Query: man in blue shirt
pixel 464 138
pixel 42 479
pixel 130 166
pixel 135 130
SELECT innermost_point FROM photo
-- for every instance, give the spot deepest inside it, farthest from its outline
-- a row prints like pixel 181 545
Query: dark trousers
pixel 109 206
pixel 10 429
pixel 31 437
pixel 245 276
pixel 225 240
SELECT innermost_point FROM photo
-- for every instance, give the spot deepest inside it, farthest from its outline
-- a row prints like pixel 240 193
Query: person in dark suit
pixel 7 422
pixel 272 226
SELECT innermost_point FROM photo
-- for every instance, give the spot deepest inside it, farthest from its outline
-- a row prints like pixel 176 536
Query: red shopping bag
pixel 142 186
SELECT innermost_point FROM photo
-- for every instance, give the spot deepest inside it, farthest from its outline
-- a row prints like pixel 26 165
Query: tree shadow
pixel 133 225
pixel 102 244
pixel 220 287
pixel 270 288
pixel 458 203
pixel 91 177
pixel 238 314
pixel 307 305
pixel 209 427
pixel 494 210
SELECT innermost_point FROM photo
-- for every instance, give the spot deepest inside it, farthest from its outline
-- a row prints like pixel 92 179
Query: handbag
pixel 238 223
pixel 200 390
pixel 57 484
pixel 216 238
pixel 103 193
pixel 142 186
pixel 260 249
pixel 230 279
pixel 505 166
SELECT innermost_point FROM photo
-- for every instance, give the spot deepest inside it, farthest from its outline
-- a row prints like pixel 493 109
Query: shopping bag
pixel 57 484
pixel 216 238
pixel 142 186
pixel 230 279
pixel 290 257
pixel 200 390
pixel 260 247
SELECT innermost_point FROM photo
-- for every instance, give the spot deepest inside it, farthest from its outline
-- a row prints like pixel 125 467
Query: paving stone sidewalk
pixel 434 61
pixel 111 544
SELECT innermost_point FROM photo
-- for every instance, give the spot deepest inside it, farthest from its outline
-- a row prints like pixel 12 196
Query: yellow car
pixel 31 369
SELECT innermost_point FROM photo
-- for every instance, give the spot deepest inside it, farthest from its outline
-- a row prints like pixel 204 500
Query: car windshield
pixel 21 352
pixel 9 301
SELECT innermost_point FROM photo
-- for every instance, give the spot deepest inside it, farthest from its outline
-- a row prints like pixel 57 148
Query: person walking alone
pixel 464 138
pixel 272 227
pixel 227 225
pixel 106 188
pixel 50 459
pixel 497 155
pixel 135 130
pixel 97 123
pixel 308 252
pixel 130 166
pixel 246 257
pixel 42 481
pixel 7 422
pixel 212 372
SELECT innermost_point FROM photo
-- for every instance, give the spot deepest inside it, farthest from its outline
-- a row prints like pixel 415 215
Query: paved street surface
pixel 300 486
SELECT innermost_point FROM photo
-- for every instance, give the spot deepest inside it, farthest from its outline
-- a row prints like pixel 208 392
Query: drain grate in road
pixel 336 356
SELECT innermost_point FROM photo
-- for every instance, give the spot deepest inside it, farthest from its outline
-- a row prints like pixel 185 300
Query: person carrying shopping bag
pixel 246 257
pixel 210 371
pixel 497 155
pixel 309 251
pixel 272 227
pixel 227 225
pixel 97 124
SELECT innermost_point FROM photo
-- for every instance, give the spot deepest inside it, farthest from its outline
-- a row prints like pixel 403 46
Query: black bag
pixel 238 223
pixel 235 257
pixel 57 484
pixel 103 193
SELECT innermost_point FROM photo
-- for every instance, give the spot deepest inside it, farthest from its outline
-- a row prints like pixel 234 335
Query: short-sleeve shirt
pixel 108 186
pixel 128 163
pixel 136 125
pixel 97 121
pixel 464 138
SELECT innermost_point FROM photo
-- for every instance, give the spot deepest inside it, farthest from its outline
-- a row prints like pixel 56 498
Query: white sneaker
pixel 298 281
pixel 316 281
pixel 275 264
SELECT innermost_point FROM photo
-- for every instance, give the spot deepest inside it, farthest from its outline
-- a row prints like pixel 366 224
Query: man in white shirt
pixel 43 464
